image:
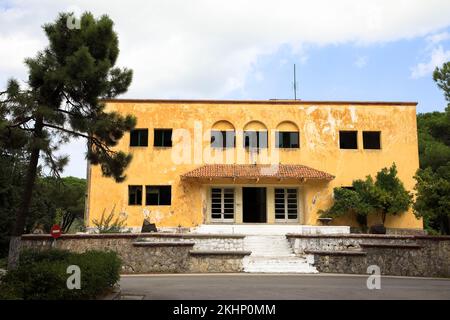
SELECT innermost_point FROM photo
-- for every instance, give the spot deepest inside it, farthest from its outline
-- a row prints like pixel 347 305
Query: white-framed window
pixel 286 204
pixel 222 204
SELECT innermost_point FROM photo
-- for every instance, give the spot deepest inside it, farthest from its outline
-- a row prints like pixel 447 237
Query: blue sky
pixel 211 49
pixel 348 72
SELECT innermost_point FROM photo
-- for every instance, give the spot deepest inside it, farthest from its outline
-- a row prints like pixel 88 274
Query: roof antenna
pixel 295 84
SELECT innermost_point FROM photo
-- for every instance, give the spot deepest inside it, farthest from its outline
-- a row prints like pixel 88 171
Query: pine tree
pixel 62 100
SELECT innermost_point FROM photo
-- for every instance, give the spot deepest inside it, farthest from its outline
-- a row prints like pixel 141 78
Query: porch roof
pixel 255 171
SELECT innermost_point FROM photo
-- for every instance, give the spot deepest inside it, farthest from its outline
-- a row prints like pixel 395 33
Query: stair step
pixel 273 253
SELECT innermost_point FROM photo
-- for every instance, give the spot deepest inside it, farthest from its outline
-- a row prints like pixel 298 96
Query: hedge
pixel 42 275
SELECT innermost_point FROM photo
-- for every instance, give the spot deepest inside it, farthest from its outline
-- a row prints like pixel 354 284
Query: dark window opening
pixel 158 195
pixel 371 139
pixel 162 138
pixel 348 188
pixel 134 195
pixel 223 139
pixel 287 140
pixel 348 139
pixel 139 138
pixel 255 139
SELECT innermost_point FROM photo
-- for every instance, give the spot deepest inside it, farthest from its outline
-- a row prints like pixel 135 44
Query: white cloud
pixel 436 55
pixel 437 58
pixel 361 62
pixel 208 48
pixel 438 37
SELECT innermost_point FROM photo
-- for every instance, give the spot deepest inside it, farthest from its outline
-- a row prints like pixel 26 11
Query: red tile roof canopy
pixel 250 171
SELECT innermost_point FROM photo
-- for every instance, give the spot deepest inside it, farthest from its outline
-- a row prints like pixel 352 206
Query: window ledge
pixel 157 205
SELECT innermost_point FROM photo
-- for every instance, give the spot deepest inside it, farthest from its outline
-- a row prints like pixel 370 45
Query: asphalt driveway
pixel 278 287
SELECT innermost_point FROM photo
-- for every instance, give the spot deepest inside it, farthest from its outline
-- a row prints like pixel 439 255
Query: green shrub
pixel 30 256
pixel 108 225
pixel 43 275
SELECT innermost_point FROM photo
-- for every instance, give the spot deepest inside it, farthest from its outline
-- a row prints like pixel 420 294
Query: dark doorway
pixel 254 204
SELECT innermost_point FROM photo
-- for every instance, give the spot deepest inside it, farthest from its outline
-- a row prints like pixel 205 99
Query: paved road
pixel 278 287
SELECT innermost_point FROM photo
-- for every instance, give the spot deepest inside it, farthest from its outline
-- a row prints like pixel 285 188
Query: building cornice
pixel 278 102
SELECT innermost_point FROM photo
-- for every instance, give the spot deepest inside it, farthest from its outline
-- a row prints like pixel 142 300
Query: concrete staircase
pixel 270 251
pixel 273 254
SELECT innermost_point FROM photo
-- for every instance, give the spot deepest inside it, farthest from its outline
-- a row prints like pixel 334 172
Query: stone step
pixel 269 229
pixel 277 265
pixel 273 253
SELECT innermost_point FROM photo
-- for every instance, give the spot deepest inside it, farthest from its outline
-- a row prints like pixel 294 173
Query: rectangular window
pixel 286 204
pixel 158 195
pixel 222 204
pixel 255 139
pixel 139 138
pixel 134 195
pixel 372 139
pixel 348 139
pixel 286 139
pixel 162 138
pixel 223 139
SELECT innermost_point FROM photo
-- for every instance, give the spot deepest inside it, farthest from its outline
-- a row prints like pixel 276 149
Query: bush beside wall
pixel 42 275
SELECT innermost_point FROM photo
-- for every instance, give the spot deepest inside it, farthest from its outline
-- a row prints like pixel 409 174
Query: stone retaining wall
pixel 155 253
pixel 300 243
pixel 203 242
pixel 210 261
pixel 422 256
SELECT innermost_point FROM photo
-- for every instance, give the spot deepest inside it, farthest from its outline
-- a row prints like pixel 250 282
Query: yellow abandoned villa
pixel 203 162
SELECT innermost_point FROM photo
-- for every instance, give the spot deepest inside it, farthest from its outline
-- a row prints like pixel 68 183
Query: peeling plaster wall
pixel 319 148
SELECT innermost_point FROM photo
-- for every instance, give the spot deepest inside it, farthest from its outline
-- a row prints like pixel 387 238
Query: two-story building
pixel 274 162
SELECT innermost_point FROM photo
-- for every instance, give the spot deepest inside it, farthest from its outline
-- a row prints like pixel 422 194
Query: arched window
pixel 223 135
pixel 287 135
pixel 255 135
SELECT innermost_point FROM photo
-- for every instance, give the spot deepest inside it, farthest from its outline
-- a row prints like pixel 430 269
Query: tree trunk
pixel 383 217
pixel 14 244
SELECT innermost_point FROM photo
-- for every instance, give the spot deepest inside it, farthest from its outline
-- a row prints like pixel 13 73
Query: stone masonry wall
pixel 422 256
pixel 206 243
pixel 216 264
pixel 340 242
pixel 159 256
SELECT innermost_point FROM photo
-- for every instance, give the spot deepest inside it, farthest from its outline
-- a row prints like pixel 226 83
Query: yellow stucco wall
pixel 318 123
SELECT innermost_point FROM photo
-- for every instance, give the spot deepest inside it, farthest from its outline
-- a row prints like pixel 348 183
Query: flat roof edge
pixel 288 102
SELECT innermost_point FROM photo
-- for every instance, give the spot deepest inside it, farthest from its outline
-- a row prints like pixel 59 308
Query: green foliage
pixel 79 63
pixel 347 202
pixel 66 82
pixel 50 196
pixel 390 196
pixel 62 100
pixel 386 195
pixel 442 78
pixel 108 225
pixel 434 139
pixel 12 169
pixel 433 177
pixel 433 198
pixel 42 275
